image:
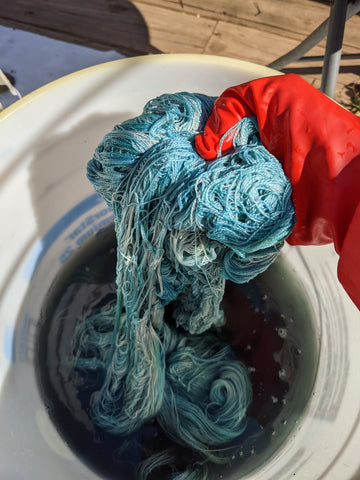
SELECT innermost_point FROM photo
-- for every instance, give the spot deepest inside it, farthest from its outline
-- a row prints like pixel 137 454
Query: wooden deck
pixel 254 30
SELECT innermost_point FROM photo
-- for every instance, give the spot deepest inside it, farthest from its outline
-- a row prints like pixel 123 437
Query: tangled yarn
pixel 183 227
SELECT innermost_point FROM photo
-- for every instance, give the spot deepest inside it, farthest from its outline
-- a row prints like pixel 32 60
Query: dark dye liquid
pixel 268 323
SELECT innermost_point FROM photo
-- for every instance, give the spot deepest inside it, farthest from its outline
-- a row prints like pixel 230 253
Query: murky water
pixel 268 323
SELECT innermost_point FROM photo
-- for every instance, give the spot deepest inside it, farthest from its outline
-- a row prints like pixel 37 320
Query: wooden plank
pixel 352 33
pixel 124 25
pixel 121 25
pixel 117 25
pixel 295 19
pixel 248 44
pixel 289 18
pixel 175 31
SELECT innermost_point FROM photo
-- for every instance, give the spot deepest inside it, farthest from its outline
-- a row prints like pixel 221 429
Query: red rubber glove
pixel 318 143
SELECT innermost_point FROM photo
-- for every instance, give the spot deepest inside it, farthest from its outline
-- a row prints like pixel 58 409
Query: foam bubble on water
pixel 282 332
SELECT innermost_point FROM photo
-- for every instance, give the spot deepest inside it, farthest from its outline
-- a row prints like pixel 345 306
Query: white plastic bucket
pixel 48 210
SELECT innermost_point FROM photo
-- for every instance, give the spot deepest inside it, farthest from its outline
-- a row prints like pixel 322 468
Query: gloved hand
pixel 318 143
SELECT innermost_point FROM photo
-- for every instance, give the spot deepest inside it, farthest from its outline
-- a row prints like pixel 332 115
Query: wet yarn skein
pixel 183 227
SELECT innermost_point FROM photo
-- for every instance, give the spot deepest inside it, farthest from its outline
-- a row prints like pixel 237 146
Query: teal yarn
pixel 183 228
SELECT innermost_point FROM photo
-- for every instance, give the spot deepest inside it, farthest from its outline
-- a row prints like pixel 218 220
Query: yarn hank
pixel 183 228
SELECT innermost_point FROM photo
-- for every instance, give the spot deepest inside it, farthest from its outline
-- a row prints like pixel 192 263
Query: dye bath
pixel 269 324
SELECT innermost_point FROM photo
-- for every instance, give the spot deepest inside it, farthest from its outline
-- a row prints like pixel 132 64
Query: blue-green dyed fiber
pixel 183 227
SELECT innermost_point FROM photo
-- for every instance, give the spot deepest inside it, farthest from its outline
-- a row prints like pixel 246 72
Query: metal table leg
pixel 333 47
pixel 333 27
